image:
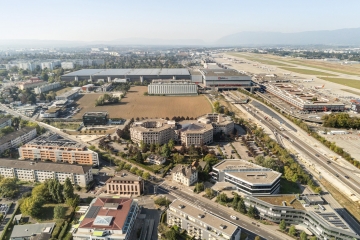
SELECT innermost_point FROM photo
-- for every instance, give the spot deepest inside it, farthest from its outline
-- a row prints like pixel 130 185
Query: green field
pixel 344 81
pixel 62 90
pixel 306 71
pixel 351 91
pixel 269 62
pixel 325 68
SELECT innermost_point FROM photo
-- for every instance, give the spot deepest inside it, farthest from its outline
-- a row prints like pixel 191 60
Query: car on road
pixel 337 175
pixel 317 155
pixel 233 217
pixel 347 177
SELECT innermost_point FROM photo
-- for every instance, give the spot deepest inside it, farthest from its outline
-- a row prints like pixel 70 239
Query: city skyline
pixel 88 21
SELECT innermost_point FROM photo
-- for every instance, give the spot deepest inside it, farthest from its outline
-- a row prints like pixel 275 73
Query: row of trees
pixel 341 120
pixel 106 99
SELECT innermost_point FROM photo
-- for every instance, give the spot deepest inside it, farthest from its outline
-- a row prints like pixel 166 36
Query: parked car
pixel 233 217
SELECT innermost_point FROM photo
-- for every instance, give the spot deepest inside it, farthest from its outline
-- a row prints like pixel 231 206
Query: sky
pixel 208 20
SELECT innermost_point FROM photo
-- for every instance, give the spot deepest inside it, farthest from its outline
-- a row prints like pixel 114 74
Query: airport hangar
pixel 132 75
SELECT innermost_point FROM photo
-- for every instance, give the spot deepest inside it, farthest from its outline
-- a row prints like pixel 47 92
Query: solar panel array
pixel 333 219
pixel 93 211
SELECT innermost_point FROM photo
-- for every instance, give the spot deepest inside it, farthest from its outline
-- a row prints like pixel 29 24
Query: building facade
pixel 152 131
pixel 47 87
pixel 95 118
pixel 4 122
pixel 68 95
pixel 185 175
pixel 107 219
pixel 225 78
pixel 172 87
pixel 199 224
pixel 125 184
pixel 41 171
pixel 52 147
pixel 155 159
pixel 220 122
pixel 32 83
pixel 247 177
pixel 15 139
pixel 192 132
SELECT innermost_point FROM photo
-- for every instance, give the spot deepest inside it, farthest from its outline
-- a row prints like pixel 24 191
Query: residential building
pixel 50 65
pixel 247 177
pixel 309 211
pixel 108 219
pixel 193 132
pixel 220 122
pixel 172 87
pixel 155 159
pixel 73 93
pixel 41 171
pixel 47 87
pixel 200 224
pixel 185 175
pixel 32 83
pixel 53 147
pixel 152 131
pixel 125 184
pixel 15 139
pixel 67 65
pixel 95 118
pixel 4 122
pixel 37 231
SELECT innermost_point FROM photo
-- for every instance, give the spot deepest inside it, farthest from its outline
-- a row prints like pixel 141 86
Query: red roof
pixel 119 215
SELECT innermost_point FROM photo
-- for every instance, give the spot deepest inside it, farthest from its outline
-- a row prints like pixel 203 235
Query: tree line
pixel 341 120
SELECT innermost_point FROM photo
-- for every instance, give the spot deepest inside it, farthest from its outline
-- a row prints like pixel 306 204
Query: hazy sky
pixel 89 20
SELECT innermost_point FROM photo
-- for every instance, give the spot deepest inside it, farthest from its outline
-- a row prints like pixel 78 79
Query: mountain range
pixel 346 36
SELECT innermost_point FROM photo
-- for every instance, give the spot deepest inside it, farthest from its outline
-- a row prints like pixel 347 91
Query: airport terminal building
pixel 225 78
pixel 172 87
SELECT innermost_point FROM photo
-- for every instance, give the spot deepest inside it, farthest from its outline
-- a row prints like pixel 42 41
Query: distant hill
pixel 346 36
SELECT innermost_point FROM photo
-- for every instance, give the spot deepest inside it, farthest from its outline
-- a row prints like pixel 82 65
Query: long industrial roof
pixel 129 72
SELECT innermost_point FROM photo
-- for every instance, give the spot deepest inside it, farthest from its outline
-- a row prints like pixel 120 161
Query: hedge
pixel 63 231
pixel 59 224
pixel 167 169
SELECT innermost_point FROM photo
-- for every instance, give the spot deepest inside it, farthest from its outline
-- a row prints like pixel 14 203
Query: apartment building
pixel 32 83
pixel 16 138
pixel 4 122
pixel 73 93
pixel 37 231
pixel 185 175
pixel 200 224
pixel 108 219
pixel 47 87
pixel 53 147
pixel 152 131
pixel 310 211
pixel 247 177
pixel 220 122
pixel 192 132
pixel 125 184
pixel 155 159
pixel 41 171
pixel 67 65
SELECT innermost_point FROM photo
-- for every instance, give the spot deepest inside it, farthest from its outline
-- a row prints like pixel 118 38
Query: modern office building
pixel 309 211
pixel 38 231
pixel 304 101
pixel 172 87
pixel 73 93
pixel 195 132
pixel 52 112
pixel 41 171
pixel 225 78
pixel 147 74
pixel 186 175
pixel 95 118
pixel 47 87
pixel 4 122
pixel 152 131
pixel 125 184
pixel 15 139
pixel 200 224
pixel 53 147
pixel 32 83
pixel 247 177
pixel 220 122
pixel 107 219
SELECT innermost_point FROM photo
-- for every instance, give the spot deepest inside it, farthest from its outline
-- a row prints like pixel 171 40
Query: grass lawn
pixel 62 90
pixel 47 213
pixel 287 187
pixel 65 125
pixel 264 61
pixel 344 81
pixel 351 91
pixel 155 167
pixel 306 71
pixel 325 68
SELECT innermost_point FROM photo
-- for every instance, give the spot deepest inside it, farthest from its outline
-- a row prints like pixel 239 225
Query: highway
pixel 244 222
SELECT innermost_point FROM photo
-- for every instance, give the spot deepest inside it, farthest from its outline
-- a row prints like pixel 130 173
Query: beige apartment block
pixel 185 175
pixel 192 132
pixel 125 184
pixel 51 146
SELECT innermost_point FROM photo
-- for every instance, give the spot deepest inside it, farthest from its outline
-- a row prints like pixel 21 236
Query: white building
pixel 41 171
pixel 185 175
pixel 50 65
pixel 14 139
pixel 172 87
pixel 68 95
pixel 47 87
pixel 67 65
pixel 156 159
pixel 4 122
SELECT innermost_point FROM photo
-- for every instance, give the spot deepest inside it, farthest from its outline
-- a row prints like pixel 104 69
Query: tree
pixel 235 201
pixel 9 188
pixel 209 192
pixel 171 144
pixel 139 157
pixel 211 159
pixel 171 234
pixel 257 238
pixel 162 201
pixel 31 206
pixel 282 225
pixel 183 149
pixel 45 76
pixel 292 230
pixel 133 170
pixel 178 158
pixel 41 191
pixel 146 175
pixel 241 206
pixel 68 189
pixel 165 150
pixel 55 190
pixel 199 187
pixel 222 198
pixel 59 212
pixel 303 235
pixel 251 212
pixel 313 238
pixel 152 147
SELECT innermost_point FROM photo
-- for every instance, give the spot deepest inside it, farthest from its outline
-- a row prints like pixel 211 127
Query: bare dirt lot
pixel 135 104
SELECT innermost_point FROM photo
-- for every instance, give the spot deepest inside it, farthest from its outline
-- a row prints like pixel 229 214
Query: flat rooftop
pixel 27 230
pixel 289 199
pixel 53 139
pixel 193 126
pixel 45 166
pixel 16 134
pixel 2 120
pixel 221 72
pixel 129 72
pixel 247 171
pixel 96 114
pixel 209 219
pixel 160 124
pixel 125 175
